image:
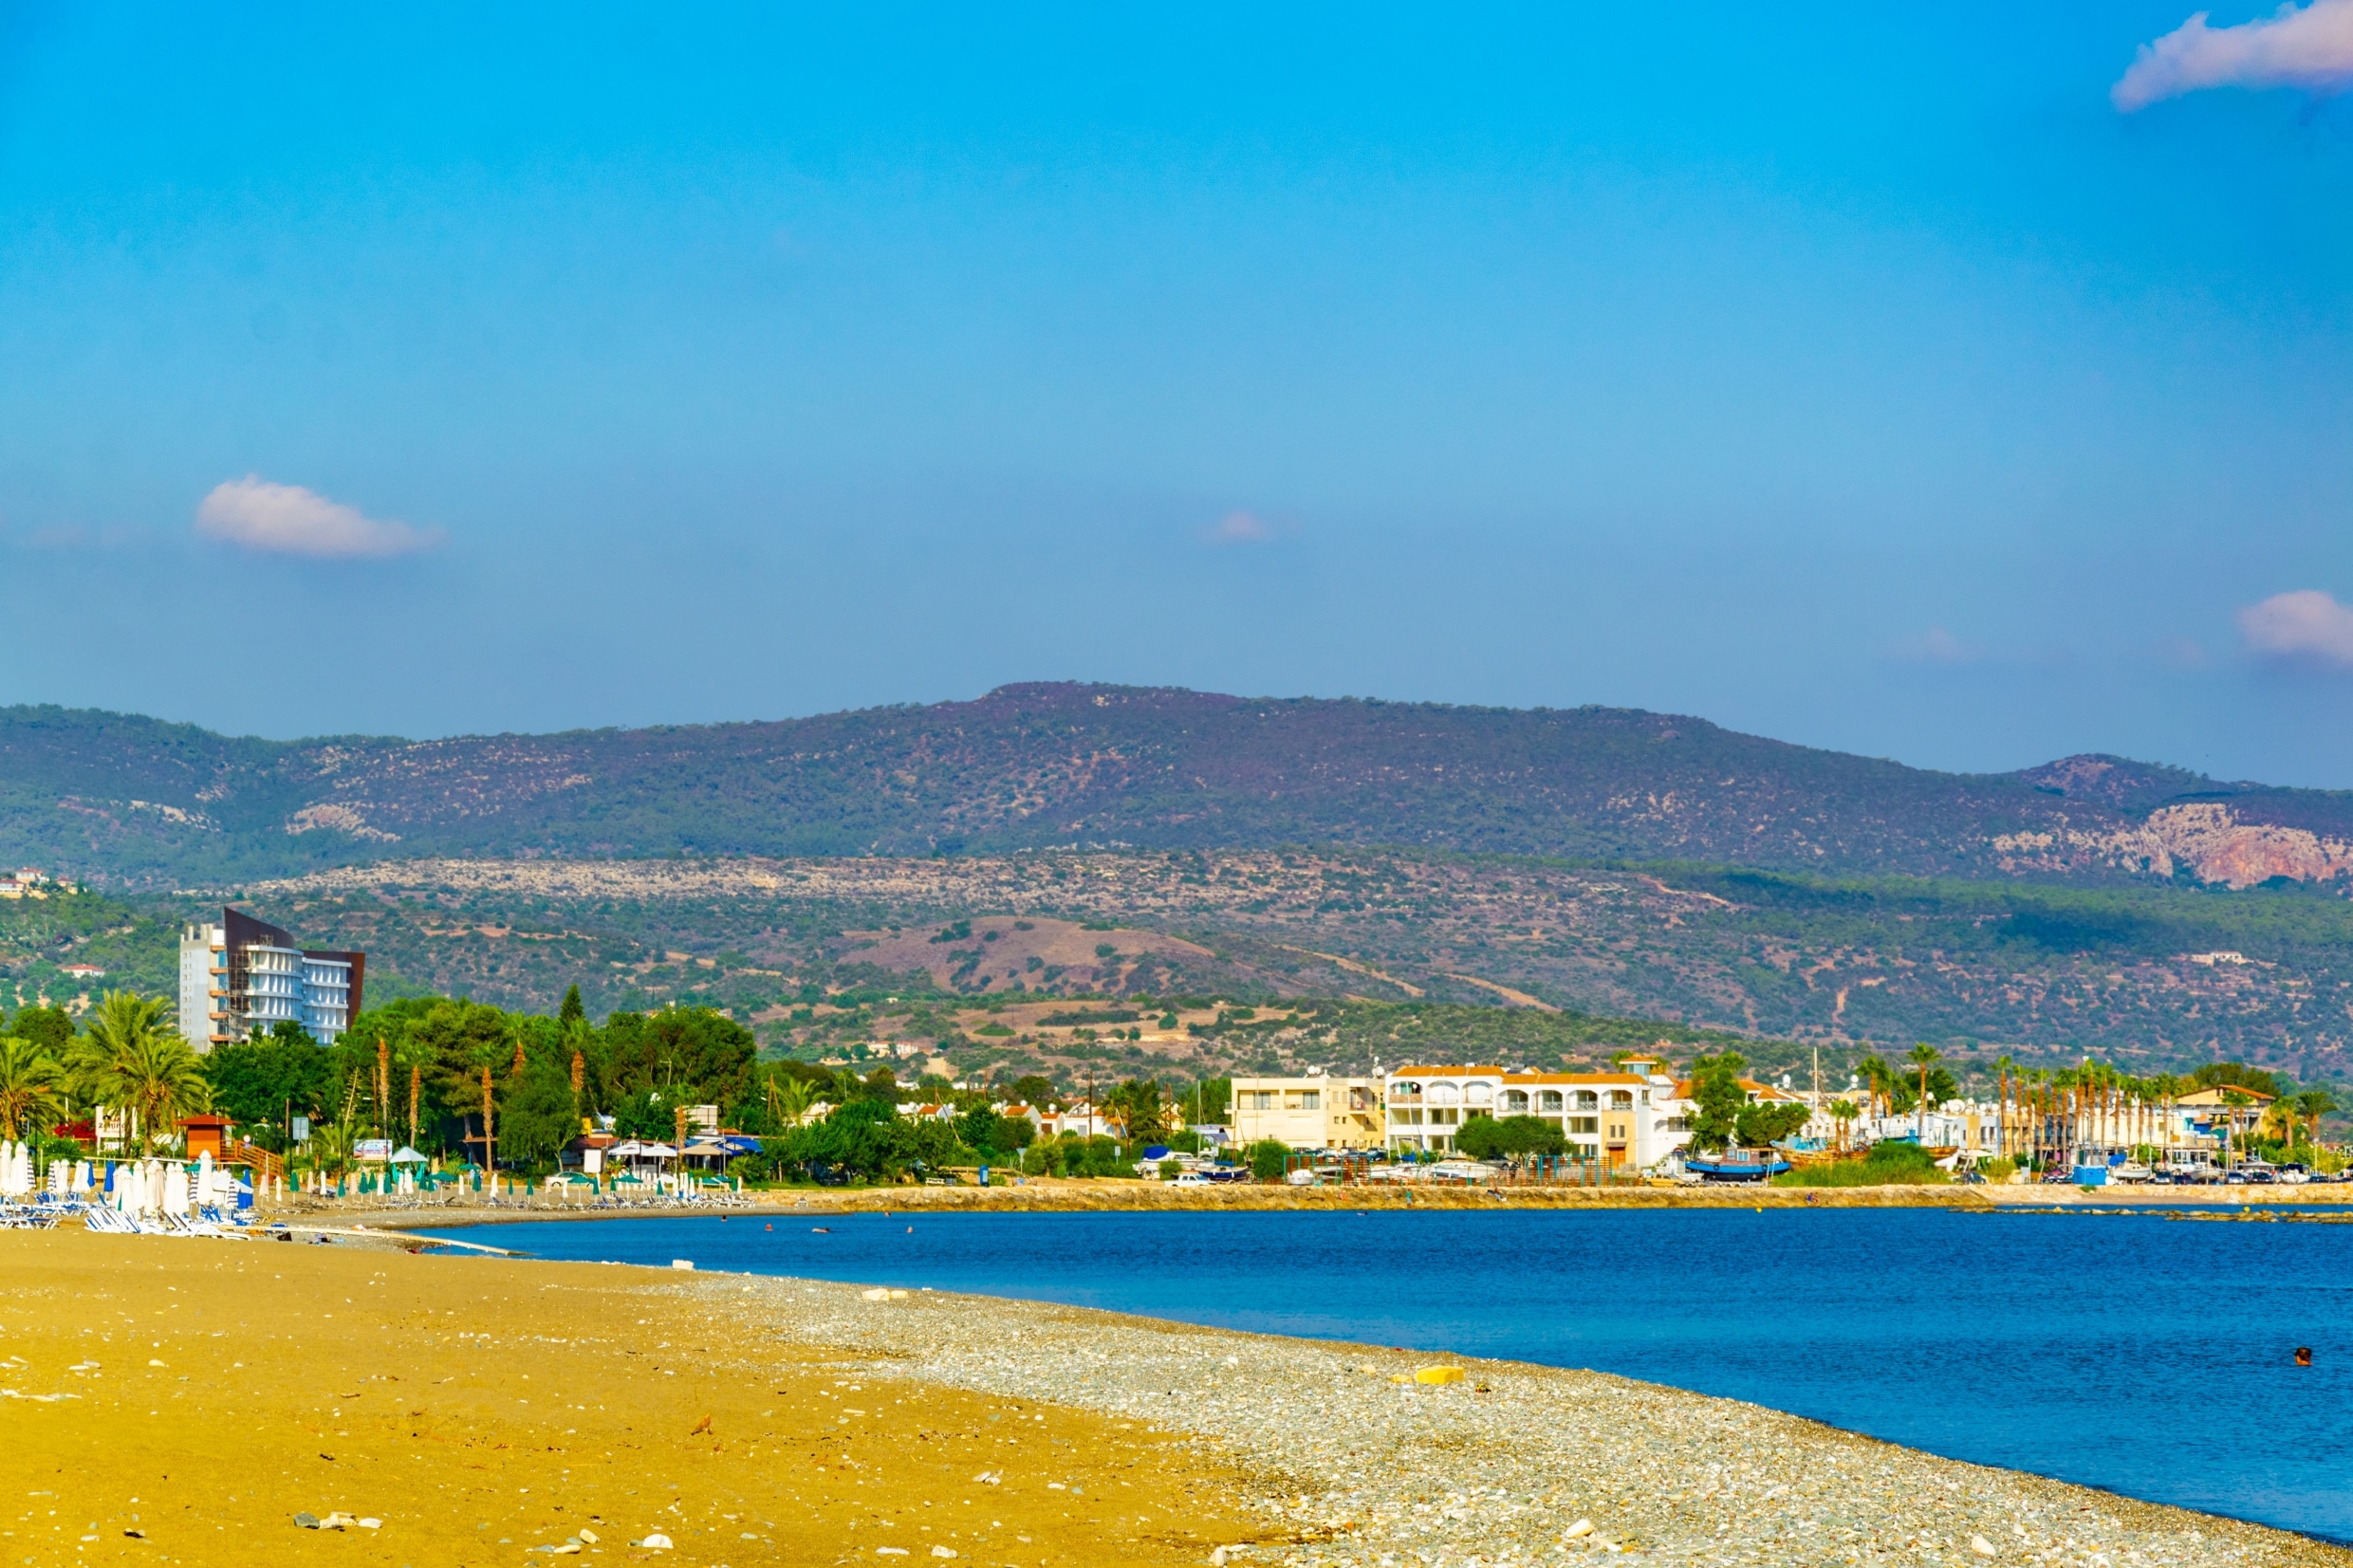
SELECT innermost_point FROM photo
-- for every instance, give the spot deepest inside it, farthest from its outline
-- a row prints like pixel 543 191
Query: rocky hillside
pixel 138 802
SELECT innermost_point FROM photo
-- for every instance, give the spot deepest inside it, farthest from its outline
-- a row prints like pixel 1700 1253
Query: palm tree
pixel 1876 1075
pixel 2315 1103
pixel 2233 1100
pixel 129 1058
pixel 1922 1055
pixel 790 1099
pixel 1844 1112
pixel 2002 1065
pixel 29 1083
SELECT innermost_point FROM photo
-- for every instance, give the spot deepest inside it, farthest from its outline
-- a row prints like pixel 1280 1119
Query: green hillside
pixel 139 802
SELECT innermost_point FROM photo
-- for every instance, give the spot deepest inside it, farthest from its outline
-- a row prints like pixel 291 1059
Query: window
pixel 1549 1100
pixel 1440 1119
pixel 1438 1094
pixel 1397 1119
pixel 1257 1099
pixel 1586 1100
pixel 1480 1094
pixel 1513 1100
pixel 1305 1100
pixel 1577 1124
pixel 1621 1099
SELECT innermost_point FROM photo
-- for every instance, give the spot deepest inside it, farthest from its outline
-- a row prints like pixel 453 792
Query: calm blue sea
pixel 2150 1357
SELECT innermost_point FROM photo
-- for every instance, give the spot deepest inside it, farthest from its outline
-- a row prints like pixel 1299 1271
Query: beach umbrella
pixel 408 1156
pixel 175 1188
pixel 656 1151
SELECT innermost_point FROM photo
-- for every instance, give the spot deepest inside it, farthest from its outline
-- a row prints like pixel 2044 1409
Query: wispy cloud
pixel 2310 47
pixel 2307 626
pixel 256 514
pixel 1240 528
pixel 1937 646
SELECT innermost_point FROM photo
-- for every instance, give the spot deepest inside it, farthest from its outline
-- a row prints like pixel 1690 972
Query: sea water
pixel 2151 1356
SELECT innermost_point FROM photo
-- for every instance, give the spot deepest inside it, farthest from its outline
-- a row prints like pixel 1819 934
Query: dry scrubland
pixel 481 1407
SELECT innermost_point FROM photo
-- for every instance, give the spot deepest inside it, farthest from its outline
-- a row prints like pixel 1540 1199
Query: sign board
pixel 378 1149
pixel 592 1162
pixel 301 1129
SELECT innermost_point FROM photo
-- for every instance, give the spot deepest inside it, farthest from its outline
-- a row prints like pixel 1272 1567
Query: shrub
pixel 1887 1165
pixel 1267 1158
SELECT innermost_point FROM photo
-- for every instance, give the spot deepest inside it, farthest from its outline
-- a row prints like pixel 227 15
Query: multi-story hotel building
pixel 1633 1116
pixel 1314 1112
pixel 240 976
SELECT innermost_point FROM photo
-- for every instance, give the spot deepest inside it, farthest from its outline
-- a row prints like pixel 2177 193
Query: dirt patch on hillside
pixel 1000 954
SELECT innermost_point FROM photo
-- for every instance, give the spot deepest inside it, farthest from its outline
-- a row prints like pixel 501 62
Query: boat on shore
pixel 1736 1165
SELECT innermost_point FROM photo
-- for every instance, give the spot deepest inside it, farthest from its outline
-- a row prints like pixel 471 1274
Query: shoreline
pixel 1111 1196
pixel 1007 1431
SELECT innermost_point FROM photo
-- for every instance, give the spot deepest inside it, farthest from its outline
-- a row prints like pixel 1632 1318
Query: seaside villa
pixel 1633 1116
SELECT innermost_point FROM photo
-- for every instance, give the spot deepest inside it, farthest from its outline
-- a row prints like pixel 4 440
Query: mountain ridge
pixel 140 802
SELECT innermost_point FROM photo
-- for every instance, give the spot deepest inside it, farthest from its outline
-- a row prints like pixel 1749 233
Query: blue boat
pixel 1735 1165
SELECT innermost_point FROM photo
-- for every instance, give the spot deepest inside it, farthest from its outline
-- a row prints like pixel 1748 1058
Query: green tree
pixel 1717 1098
pixel 1033 1089
pixel 2313 1104
pixel 982 1130
pixel 535 1119
pixel 572 1011
pixel 1924 1055
pixel 2235 1074
pixel 1140 1103
pixel 1878 1076
pixel 1489 1137
pixel 1268 1157
pixel 259 1081
pixel 131 1058
pixel 52 1029
pixel 1758 1125
pixel 690 1054
pixel 30 1084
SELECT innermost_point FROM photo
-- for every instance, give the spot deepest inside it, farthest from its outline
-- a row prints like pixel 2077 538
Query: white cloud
pixel 2310 48
pixel 288 519
pixel 2306 624
pixel 1241 528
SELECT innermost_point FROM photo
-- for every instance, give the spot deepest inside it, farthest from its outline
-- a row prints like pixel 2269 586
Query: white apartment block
pixel 1314 1112
pixel 241 976
pixel 1631 1117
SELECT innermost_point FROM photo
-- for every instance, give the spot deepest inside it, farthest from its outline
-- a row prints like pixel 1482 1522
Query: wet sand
pixel 480 1406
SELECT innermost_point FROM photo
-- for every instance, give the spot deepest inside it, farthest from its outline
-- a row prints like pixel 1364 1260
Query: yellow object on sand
pixel 1439 1375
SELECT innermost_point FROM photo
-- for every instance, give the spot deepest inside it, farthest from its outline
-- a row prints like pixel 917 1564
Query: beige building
pixel 1315 1112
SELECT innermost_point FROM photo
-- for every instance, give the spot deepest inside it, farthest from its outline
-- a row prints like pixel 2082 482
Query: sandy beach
pixel 203 1394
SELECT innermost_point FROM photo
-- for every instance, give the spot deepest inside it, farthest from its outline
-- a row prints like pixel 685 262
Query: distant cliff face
pixel 2206 838
pixel 133 799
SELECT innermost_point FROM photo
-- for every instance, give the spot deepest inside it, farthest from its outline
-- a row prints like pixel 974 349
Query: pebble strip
pixel 1501 1468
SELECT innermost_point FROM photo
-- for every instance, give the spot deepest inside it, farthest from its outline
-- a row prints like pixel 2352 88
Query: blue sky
pixel 1860 375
